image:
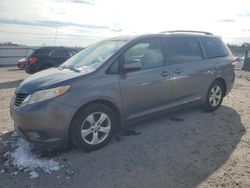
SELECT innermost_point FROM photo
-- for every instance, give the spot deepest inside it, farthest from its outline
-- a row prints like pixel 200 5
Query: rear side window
pixel 59 53
pixel 73 52
pixel 214 47
pixel 181 49
pixel 43 51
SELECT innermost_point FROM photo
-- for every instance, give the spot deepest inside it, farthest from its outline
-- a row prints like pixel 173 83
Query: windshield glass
pixel 94 56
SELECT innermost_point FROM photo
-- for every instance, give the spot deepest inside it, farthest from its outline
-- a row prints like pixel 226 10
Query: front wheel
pixel 93 126
pixel 214 96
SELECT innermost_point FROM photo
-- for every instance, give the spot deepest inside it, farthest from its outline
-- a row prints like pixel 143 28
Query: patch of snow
pixel 23 159
pixel 34 174
pixel 3 132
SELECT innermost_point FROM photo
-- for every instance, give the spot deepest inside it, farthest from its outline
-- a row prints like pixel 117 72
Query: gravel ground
pixel 186 148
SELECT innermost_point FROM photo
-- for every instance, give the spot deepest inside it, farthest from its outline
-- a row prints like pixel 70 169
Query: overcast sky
pixel 82 22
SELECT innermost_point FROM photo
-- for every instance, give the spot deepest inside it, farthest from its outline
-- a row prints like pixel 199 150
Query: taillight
pixel 32 60
pixel 234 61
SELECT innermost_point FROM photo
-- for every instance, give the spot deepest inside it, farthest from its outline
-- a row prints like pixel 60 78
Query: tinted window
pixel 43 51
pixel 60 53
pixel 73 52
pixel 183 49
pixel 148 51
pixel 30 53
pixel 214 47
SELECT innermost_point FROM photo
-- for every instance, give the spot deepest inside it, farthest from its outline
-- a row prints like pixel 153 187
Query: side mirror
pixel 132 65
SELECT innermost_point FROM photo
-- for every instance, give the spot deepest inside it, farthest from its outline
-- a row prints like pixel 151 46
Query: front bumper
pixel 45 124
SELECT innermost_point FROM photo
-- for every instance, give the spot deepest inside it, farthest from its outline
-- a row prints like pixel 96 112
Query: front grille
pixel 19 98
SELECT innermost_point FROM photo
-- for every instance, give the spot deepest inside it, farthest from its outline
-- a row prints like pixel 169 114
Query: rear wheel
pixel 214 96
pixel 93 126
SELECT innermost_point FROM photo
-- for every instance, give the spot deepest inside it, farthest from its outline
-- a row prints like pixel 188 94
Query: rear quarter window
pixel 214 47
pixel 182 49
pixel 30 53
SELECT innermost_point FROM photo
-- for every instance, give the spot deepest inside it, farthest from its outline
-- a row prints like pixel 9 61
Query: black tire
pixel 80 120
pixel 210 106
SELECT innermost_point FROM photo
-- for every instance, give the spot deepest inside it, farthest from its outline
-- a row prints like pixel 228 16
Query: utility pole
pixel 55 37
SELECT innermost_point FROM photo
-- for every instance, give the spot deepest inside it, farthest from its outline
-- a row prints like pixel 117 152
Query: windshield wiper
pixel 73 69
pixel 70 68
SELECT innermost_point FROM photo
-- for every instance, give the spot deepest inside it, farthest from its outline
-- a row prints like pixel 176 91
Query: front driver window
pixel 148 51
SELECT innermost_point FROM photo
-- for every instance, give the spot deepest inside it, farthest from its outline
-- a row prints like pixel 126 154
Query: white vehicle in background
pixel 240 62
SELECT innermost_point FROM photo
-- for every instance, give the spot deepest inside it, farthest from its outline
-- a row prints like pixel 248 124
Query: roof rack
pixel 187 31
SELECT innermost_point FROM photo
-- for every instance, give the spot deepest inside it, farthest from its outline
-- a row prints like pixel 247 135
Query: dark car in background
pixel 22 63
pixel 47 57
pixel 246 65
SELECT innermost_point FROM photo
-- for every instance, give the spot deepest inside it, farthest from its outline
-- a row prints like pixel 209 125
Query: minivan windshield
pixel 94 56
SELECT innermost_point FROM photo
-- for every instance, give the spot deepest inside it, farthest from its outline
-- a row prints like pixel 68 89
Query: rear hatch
pixel 30 54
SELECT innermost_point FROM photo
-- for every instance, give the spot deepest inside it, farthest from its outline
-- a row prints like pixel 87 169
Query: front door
pixel 149 89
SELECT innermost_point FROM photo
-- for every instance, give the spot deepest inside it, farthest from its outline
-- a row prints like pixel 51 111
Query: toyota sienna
pixel 121 80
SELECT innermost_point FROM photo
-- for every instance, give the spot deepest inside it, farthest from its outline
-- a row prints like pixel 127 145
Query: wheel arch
pixel 223 82
pixel 110 104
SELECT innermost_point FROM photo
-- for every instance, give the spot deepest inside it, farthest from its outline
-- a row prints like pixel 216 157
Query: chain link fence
pixel 9 55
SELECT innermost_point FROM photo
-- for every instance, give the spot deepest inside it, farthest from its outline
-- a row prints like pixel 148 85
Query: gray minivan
pixel 121 80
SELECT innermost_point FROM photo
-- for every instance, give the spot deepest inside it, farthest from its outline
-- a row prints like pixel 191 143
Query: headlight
pixel 45 95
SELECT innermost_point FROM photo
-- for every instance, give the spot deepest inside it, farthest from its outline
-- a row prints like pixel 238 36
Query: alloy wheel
pixel 95 128
pixel 215 96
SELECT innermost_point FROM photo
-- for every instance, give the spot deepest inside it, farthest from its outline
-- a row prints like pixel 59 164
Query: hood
pixel 47 79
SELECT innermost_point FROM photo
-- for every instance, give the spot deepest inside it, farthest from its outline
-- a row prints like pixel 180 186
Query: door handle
pixel 178 71
pixel 165 73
